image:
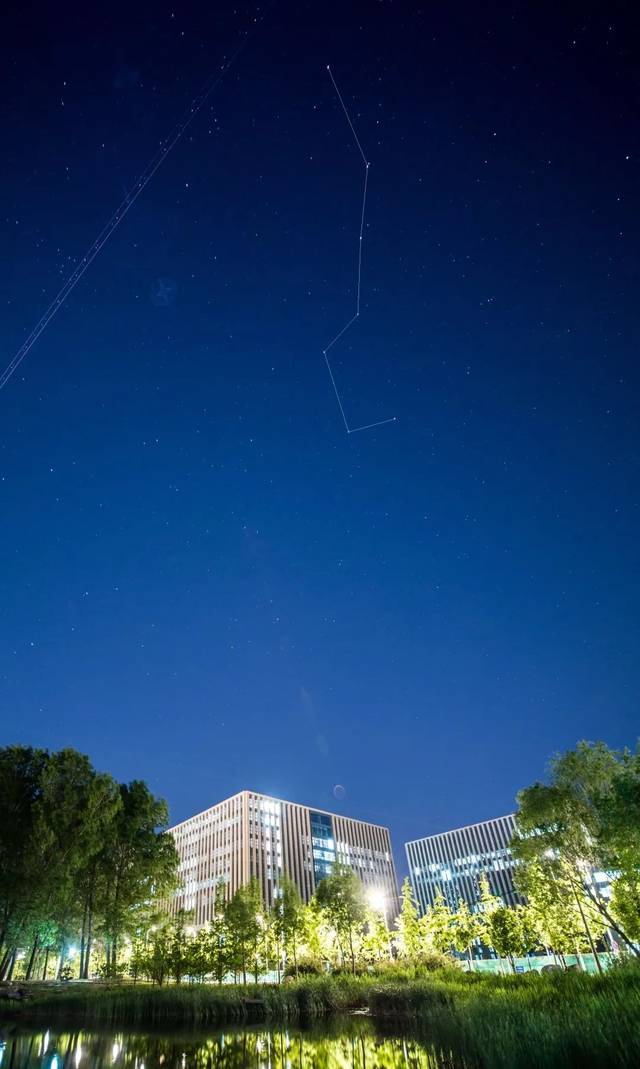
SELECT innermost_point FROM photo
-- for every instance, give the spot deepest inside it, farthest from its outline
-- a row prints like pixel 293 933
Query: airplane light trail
pixel 129 200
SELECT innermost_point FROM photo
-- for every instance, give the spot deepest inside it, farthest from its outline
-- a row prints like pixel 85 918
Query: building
pixel 253 835
pixel 453 861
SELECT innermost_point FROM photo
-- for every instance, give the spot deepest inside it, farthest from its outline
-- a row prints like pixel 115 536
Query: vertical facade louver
pixel 453 861
pixel 255 836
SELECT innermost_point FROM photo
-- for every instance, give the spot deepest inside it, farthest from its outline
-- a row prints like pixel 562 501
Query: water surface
pixel 351 1044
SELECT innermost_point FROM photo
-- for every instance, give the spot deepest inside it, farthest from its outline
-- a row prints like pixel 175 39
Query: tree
pixel 340 897
pixel 562 914
pixel 21 880
pixel 625 903
pixel 318 937
pixel 158 957
pixel 437 924
pixel 220 959
pixel 408 923
pixel 467 928
pixel 587 817
pixel 289 921
pixel 506 933
pixel 199 956
pixel 178 945
pixel 138 963
pixel 79 855
pixel 138 862
pixel 243 916
pixel 375 938
pixel 65 825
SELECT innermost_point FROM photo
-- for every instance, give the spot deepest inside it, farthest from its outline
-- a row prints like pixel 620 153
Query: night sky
pixel 205 581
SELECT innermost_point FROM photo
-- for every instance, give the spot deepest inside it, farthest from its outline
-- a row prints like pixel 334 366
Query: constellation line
pixel 391 419
pixel 129 200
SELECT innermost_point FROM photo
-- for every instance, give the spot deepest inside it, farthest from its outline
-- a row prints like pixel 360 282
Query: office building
pixel 252 835
pixel 453 861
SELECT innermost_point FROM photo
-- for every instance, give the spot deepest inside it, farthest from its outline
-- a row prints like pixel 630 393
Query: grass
pixel 559 1019
pixel 192 1004
pixel 532 1020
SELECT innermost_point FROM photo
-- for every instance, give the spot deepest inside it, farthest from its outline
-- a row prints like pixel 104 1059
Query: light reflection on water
pixel 356 1045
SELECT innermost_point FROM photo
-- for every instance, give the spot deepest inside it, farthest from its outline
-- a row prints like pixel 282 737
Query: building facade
pixel 453 861
pixel 255 836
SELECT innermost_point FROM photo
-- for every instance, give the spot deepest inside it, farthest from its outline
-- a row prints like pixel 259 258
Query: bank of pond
pixel 457 1020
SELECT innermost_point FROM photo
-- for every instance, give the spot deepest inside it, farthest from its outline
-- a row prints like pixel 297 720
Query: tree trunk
pixel 610 921
pixel 32 958
pixel 352 955
pixel 89 938
pixel 4 963
pixel 588 931
pixel 82 941
pixel 12 964
pixel 46 963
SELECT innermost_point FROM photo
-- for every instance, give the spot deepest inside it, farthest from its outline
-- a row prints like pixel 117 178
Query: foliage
pixel 467 928
pixel 340 898
pixel 85 861
pixel 587 818
pixel 438 924
pixel 289 921
pixel 528 1020
pixel 408 923
pixel 80 856
pixel 625 903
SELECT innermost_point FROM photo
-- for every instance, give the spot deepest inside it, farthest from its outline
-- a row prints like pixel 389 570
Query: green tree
pixel 243 916
pixel 138 964
pixel 21 879
pixel 376 945
pixel 220 959
pixel 563 915
pixel 289 920
pixel 587 818
pixel 340 897
pixel 408 923
pixel 318 937
pixel 178 944
pixel 467 927
pixel 506 934
pixel 158 956
pixel 73 812
pixel 80 855
pixel 625 903
pixel 138 862
pixel 199 956
pixel 437 924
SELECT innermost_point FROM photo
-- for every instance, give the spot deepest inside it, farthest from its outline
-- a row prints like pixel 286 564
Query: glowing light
pixel 115 1052
pixel 377 899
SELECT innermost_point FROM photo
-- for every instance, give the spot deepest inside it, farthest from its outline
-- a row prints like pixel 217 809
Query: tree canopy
pixel 80 855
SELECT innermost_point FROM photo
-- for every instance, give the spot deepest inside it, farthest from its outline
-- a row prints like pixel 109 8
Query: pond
pixel 351 1044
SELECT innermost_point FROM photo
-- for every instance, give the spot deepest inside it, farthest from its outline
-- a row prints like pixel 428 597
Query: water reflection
pixel 351 1045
